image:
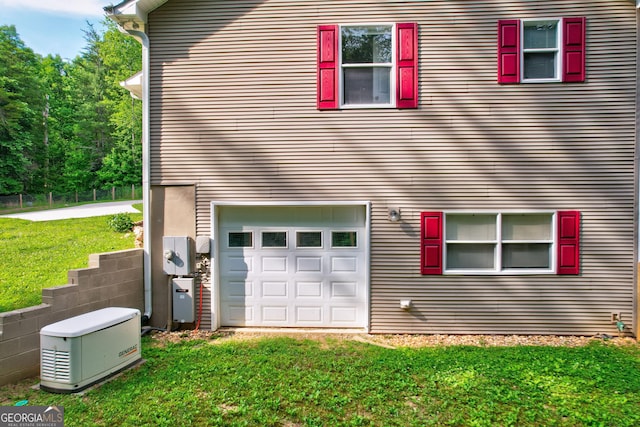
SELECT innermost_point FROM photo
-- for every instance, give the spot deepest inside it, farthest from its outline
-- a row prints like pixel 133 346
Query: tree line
pixel 68 125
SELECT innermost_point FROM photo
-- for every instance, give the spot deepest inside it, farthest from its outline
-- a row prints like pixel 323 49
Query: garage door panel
pixel 274 289
pixel 238 289
pixel 239 314
pixel 309 289
pixel 343 314
pixel 344 290
pixel 237 264
pixel 309 315
pixel 274 264
pixel 309 264
pixel 342 264
pixel 275 314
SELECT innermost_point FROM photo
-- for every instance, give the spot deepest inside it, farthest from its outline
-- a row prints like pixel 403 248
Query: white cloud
pixel 83 8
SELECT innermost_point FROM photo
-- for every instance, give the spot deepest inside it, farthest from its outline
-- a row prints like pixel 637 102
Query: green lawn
pixel 37 255
pixel 335 382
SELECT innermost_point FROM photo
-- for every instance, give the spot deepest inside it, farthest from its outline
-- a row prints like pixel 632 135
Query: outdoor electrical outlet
pixel 616 316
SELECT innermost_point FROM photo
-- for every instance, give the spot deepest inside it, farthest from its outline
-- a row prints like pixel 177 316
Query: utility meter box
pixel 83 350
pixel 184 302
pixel 177 261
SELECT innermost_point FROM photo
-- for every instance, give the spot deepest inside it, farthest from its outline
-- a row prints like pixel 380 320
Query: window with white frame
pixel 502 242
pixel 367 64
pixel 540 50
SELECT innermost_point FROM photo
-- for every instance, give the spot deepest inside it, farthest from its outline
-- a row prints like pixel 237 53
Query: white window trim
pixel 498 242
pixel 392 75
pixel 558 50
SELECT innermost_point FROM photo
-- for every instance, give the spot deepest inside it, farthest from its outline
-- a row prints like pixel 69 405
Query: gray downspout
pixel 146 173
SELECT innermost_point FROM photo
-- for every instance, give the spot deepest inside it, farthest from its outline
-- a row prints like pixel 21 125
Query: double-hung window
pixel 541 50
pixel 500 242
pixel 367 66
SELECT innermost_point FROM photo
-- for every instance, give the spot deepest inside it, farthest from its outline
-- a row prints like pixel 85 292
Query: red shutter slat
pixel 574 49
pixel 407 65
pixel 327 85
pixel 508 51
pixel 431 242
pixel 568 253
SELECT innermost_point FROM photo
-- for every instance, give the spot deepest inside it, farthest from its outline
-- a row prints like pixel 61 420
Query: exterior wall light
pixel 394 214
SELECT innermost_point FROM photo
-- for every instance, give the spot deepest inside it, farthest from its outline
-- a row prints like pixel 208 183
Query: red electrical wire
pixel 199 307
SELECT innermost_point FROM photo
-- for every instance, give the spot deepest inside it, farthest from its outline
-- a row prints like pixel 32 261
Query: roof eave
pixel 133 14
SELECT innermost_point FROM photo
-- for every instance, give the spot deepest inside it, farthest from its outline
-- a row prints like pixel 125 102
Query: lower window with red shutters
pixel 500 242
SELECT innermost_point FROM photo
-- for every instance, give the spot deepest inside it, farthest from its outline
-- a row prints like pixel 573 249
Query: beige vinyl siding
pixel 233 110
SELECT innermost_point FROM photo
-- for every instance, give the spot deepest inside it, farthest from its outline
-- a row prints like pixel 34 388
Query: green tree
pixel 21 107
pixel 122 57
pixel 69 126
pixel 59 116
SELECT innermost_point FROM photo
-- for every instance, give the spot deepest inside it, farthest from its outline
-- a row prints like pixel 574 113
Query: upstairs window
pixel 367 66
pixel 540 40
pixel 541 50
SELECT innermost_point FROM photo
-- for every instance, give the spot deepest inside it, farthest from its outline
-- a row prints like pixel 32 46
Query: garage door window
pixel 344 239
pixel 240 239
pixel 274 239
pixel 309 239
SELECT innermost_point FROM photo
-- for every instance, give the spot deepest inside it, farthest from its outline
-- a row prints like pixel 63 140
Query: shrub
pixel 120 222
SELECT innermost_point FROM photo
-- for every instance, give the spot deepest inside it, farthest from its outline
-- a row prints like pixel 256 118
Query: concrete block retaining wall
pixel 113 279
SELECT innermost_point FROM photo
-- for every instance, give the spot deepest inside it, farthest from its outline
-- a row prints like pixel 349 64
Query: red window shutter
pixel 573 49
pixel 431 242
pixel 508 51
pixel 407 65
pixel 568 254
pixel 327 85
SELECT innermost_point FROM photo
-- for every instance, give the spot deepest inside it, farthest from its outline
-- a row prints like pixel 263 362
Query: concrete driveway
pixel 82 211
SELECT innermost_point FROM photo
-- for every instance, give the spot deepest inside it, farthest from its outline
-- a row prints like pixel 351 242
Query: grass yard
pixel 37 255
pixel 335 381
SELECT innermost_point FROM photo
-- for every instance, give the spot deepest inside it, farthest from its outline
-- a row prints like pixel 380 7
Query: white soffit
pixel 132 14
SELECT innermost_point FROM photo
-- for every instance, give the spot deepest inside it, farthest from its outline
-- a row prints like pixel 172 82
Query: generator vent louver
pixel 56 365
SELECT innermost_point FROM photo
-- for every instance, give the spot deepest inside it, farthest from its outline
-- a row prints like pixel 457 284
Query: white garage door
pixel 293 267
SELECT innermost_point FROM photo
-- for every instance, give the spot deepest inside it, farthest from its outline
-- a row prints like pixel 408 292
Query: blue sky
pixel 53 26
